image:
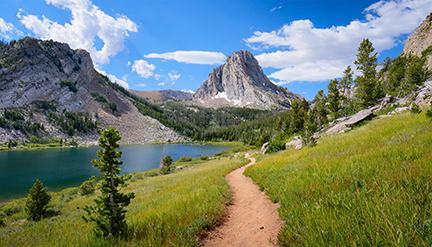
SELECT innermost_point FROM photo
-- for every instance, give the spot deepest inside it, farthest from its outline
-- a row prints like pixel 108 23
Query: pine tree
pixel 37 201
pixel 366 62
pixel 320 108
pixel 110 206
pixel 334 98
pixel 345 84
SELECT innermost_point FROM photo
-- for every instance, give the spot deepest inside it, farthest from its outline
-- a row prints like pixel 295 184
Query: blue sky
pixel 154 45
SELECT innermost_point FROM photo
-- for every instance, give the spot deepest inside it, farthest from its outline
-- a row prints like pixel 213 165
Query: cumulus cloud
pixel 122 82
pixel 8 30
pixel 141 85
pixel 173 76
pixel 187 91
pixel 87 22
pixel 143 68
pixel 191 57
pixel 306 53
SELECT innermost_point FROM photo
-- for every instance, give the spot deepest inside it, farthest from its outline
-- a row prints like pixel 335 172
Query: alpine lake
pixel 60 168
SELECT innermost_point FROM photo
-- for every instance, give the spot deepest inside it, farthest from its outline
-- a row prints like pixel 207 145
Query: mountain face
pixel 242 82
pixel 164 95
pixel 420 42
pixel 35 73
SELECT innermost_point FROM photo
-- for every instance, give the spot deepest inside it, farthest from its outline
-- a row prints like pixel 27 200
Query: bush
pixel 70 84
pixel 415 109
pixel 2 223
pixel 204 157
pixel 277 144
pixel 429 112
pixel 87 187
pixel 185 159
pixel 37 201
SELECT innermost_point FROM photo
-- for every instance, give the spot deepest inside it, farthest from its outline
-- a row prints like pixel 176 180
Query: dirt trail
pixel 251 220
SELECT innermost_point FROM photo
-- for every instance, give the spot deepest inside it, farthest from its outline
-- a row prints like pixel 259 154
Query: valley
pixel 243 161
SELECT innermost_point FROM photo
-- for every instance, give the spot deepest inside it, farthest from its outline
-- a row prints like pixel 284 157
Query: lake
pixel 68 167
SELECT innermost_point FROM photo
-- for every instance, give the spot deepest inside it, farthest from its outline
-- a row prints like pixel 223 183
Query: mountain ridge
pixel 242 82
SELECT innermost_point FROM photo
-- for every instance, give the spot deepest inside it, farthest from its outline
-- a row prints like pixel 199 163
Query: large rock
pixel 242 82
pixel 352 120
pixel 297 143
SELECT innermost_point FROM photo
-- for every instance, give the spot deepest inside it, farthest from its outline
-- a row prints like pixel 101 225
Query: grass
pixel 170 210
pixel 369 187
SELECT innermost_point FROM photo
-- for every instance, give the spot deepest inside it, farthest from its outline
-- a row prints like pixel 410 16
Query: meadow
pixel 371 186
pixel 169 210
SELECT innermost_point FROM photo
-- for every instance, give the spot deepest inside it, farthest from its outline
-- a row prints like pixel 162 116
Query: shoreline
pixel 26 148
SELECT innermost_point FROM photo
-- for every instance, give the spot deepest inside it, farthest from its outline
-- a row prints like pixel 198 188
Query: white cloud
pixel 87 23
pixel 191 57
pixel 143 68
pixel 161 83
pixel 128 64
pixel 8 30
pixel 307 53
pixel 276 8
pixel 141 85
pixel 173 76
pixel 122 82
pixel 187 91
pixel 158 76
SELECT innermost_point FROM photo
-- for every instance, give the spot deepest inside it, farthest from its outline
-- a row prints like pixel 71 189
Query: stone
pixel 264 148
pixel 352 120
pixel 297 143
pixel 420 40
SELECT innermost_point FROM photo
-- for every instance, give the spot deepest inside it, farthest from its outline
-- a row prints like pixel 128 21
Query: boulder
pixel 264 148
pixel 353 120
pixel 297 143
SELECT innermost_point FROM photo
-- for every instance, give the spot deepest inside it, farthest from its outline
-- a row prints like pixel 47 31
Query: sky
pixel 160 44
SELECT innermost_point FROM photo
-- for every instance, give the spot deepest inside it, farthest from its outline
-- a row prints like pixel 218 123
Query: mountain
pixel 420 42
pixel 164 95
pixel 47 83
pixel 241 82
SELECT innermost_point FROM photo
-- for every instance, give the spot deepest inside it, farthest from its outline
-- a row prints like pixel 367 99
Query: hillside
pixel 50 87
pixel 368 187
pixel 241 82
pixel 164 95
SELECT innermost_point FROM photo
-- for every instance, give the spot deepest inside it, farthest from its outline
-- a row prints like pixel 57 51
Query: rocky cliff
pixel 34 71
pixel 420 42
pixel 242 82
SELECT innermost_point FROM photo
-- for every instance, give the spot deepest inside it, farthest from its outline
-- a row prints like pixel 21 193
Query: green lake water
pixel 67 167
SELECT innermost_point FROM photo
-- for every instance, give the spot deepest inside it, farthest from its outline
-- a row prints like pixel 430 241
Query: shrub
pixel 70 84
pixel 37 201
pixel 429 112
pixel 185 159
pixel 2 223
pixel 415 109
pixel 204 157
pixel 87 187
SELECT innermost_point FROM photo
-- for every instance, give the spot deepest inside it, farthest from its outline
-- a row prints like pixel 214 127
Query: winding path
pixel 251 220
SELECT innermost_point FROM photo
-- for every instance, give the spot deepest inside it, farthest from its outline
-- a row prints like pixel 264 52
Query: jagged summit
pixel 242 82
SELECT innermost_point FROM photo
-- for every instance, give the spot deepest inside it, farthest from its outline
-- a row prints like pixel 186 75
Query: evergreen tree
pixel 37 201
pixel 334 98
pixel 320 108
pixel 110 206
pixel 345 85
pixel 297 116
pixel 366 62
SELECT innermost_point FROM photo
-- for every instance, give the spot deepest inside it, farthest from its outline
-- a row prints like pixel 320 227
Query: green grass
pixel 369 187
pixel 170 210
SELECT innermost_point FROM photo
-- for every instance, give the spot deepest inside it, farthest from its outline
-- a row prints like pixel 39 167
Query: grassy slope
pixel 167 210
pixel 371 186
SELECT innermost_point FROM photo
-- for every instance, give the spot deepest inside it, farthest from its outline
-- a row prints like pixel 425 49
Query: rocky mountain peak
pixel 242 82
pixel 420 42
